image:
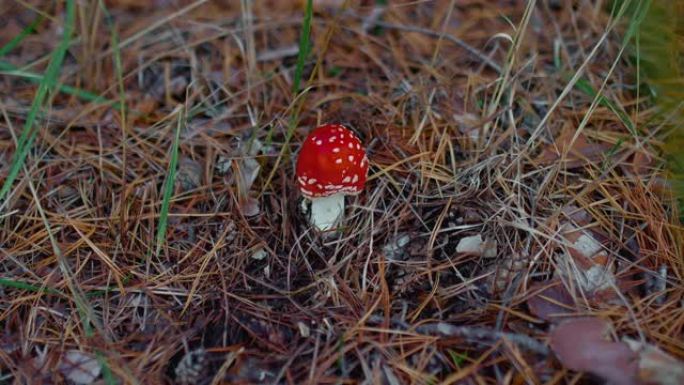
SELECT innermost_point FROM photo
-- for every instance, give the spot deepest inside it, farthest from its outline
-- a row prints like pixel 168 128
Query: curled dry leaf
pixel 584 261
pixel 656 366
pixel 79 367
pixel 249 170
pixel 580 344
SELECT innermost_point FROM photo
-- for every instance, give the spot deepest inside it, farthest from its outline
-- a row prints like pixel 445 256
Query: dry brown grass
pixel 462 141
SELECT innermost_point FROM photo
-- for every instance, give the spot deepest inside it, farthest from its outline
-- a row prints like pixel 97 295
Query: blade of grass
pixel 11 70
pixel 48 82
pixel 536 132
pixel 304 51
pixel 304 46
pixel 27 286
pixel 168 185
pixel 12 44
pixel 585 87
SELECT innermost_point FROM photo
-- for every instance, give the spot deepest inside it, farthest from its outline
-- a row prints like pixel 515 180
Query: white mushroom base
pixel 326 211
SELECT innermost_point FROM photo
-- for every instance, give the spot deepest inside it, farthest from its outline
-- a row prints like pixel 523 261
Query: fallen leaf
pixel 223 165
pixel 580 345
pixel 249 170
pixel 476 246
pixel 260 254
pixel 470 245
pixel 656 366
pixel 79 367
pixel 579 153
pixel 190 369
pixel 189 174
pixel 395 249
pixel 552 302
pixel 585 261
pixel 249 207
pixel 641 163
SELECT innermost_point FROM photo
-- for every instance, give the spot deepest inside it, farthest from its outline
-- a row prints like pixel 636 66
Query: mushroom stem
pixel 325 211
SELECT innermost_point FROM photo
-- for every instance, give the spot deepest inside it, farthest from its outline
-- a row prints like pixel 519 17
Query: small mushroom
pixel 332 163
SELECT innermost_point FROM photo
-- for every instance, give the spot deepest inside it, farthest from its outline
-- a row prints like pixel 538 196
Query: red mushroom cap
pixel 331 160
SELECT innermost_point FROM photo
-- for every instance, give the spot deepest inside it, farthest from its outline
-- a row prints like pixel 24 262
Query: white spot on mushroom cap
pixel 332 138
pixel 355 178
pixel 319 142
pixel 346 179
pixel 312 181
pixel 336 149
pixel 338 161
pixel 351 158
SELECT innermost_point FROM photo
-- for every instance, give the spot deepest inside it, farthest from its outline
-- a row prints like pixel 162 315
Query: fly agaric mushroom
pixel 331 164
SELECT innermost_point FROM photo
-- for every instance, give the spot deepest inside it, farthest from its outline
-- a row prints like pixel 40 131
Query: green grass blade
pixel 304 46
pixel 48 82
pixel 118 66
pixel 304 50
pixel 27 286
pixel 168 187
pixel 9 69
pixel 586 88
pixel 12 44
pixel 106 371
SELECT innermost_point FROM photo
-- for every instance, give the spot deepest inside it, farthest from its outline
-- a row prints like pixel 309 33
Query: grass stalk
pixel 47 83
pixel 169 185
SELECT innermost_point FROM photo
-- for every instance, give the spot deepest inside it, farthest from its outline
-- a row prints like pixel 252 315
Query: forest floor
pixel 517 226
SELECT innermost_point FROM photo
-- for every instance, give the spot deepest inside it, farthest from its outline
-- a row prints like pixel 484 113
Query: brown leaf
pixel 641 163
pixel 249 207
pixel 579 153
pixel 580 345
pixel 552 302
